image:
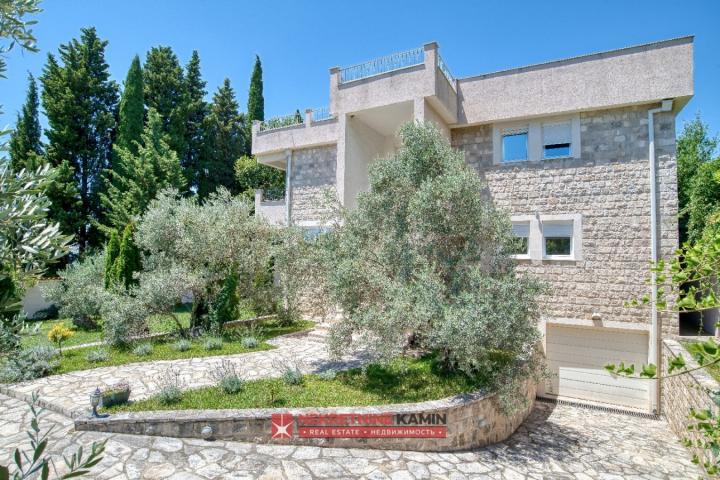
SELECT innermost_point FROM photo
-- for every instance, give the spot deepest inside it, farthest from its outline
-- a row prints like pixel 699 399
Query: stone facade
pixel 312 180
pixel 684 392
pixel 473 420
pixel 609 187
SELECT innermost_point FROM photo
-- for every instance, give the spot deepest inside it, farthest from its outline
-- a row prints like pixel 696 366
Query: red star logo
pixel 282 425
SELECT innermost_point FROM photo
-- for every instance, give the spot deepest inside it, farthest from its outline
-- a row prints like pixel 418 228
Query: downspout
pixel 288 190
pixel 655 353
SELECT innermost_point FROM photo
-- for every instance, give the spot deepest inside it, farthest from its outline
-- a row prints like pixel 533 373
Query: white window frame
pixel 536 239
pixel 569 139
pixel 536 147
pixel 526 255
pixel 507 132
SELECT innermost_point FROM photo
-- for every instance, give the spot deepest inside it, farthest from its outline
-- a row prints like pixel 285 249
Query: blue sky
pixel 299 41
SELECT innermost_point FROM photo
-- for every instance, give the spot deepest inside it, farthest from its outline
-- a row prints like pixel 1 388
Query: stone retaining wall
pixel 472 421
pixel 683 392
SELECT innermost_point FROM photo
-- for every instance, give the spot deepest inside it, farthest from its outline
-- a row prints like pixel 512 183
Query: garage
pixel 576 358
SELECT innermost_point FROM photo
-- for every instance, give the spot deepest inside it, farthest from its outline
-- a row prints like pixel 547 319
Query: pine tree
pixel 80 101
pixel 128 259
pixel 154 168
pixel 225 142
pixel 112 249
pixel 256 102
pixel 194 128
pixel 25 145
pixel 131 114
pixel 165 92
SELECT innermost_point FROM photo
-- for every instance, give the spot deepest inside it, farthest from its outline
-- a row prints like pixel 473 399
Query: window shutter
pixel 556 133
pixel 521 229
pixel 557 229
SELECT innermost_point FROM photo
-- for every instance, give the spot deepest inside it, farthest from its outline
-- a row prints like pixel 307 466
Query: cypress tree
pixel 128 259
pixel 165 91
pixel 256 102
pixel 25 145
pixel 112 249
pixel 154 168
pixel 131 114
pixel 225 307
pixel 225 142
pixel 196 113
pixel 80 101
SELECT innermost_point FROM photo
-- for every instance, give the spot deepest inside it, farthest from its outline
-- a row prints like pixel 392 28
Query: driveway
pixel 556 442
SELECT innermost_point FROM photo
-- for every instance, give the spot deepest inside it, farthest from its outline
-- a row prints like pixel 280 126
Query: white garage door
pixel 576 359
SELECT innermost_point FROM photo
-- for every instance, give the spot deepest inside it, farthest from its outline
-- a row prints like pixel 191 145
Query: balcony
pixel 409 76
pixel 274 136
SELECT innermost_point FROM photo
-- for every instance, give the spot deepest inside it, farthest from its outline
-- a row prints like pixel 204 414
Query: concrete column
pixel 431 62
pixel 255 129
pixel 308 117
pixel 334 85
pixel 258 200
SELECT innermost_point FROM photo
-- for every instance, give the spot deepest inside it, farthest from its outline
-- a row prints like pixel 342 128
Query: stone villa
pixel 580 152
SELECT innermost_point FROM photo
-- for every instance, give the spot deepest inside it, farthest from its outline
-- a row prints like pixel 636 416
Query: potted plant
pixel 116 394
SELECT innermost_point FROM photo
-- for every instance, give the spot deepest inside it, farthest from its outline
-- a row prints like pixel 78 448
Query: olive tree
pixel 424 261
pixel 198 245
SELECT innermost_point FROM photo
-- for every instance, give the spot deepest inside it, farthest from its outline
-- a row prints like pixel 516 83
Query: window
pixel 557 239
pixel 536 140
pixel 521 232
pixel 557 138
pixel 515 145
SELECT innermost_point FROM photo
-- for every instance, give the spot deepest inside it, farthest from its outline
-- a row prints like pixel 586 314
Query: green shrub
pixel 249 342
pixel 329 374
pixel 143 349
pixel 227 378
pixel 170 387
pixel 182 345
pixel 79 293
pixel 29 364
pixel 213 343
pixel 98 355
pixel 292 377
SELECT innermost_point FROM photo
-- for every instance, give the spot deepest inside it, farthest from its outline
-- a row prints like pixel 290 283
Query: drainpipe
pixel 655 353
pixel 288 191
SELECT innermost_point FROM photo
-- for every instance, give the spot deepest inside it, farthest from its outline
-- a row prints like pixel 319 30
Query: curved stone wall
pixel 473 420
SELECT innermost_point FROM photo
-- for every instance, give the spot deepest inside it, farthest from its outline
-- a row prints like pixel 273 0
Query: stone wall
pixel 683 392
pixel 472 421
pixel 312 177
pixel 609 187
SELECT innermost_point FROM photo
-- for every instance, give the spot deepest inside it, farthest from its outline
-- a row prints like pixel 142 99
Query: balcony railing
pixel 321 114
pixel 446 71
pixel 395 61
pixel 282 122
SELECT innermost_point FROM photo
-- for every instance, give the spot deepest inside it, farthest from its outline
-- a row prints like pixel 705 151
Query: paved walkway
pixel 556 442
pixel 70 392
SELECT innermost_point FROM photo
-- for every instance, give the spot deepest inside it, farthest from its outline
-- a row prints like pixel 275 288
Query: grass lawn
pixel 76 359
pixel 156 323
pixel 402 381
pixel 694 349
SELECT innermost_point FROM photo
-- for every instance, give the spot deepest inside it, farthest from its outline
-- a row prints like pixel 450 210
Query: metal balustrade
pixel 320 114
pixel 388 63
pixel 446 71
pixel 282 122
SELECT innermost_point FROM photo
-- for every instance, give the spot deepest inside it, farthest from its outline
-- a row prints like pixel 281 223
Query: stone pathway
pixel 69 393
pixel 556 442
